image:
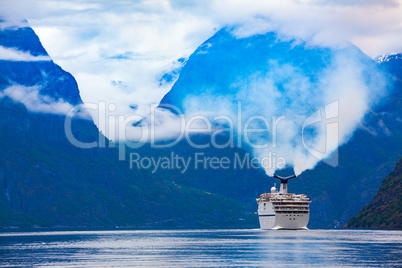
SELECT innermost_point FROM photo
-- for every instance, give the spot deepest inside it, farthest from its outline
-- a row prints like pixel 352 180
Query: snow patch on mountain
pixel 388 57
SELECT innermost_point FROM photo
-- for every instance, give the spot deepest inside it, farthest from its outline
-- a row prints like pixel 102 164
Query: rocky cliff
pixel 385 210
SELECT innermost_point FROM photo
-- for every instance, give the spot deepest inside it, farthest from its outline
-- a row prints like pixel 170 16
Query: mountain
pixel 47 181
pixel 228 68
pixel 54 82
pixel 385 210
pixel 391 63
pixel 217 67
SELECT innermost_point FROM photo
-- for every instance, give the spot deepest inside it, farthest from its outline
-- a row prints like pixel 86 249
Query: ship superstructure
pixel 283 210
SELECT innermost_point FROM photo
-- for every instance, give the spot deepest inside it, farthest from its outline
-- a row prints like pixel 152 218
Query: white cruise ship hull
pixel 283 210
pixel 284 221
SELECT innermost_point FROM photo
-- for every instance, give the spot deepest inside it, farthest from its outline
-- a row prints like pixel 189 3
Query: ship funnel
pixel 284 183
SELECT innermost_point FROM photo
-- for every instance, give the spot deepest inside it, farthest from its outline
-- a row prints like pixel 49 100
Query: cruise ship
pixel 283 210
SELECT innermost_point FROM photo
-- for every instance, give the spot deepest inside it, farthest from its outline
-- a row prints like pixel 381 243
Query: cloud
pixel 12 24
pixel 137 42
pixel 306 107
pixel 356 2
pixel 321 22
pixel 33 101
pixel 13 54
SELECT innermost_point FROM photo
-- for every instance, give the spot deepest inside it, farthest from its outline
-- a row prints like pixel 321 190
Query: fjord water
pixel 203 248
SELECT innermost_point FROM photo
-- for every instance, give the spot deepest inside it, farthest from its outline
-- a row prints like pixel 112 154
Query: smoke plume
pixel 297 102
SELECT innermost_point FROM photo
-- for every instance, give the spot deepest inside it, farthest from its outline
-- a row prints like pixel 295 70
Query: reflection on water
pixel 203 248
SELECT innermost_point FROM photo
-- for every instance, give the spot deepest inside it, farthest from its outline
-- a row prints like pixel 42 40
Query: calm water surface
pixel 203 248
